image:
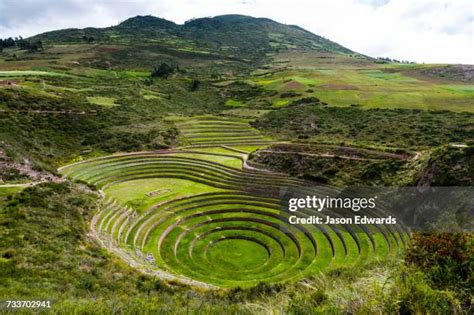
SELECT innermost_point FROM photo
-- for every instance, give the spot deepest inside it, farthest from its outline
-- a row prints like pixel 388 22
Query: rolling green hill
pixel 234 43
pixel 227 34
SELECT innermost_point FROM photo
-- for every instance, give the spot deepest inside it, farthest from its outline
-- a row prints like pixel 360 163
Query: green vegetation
pixel 83 277
pixel 188 228
pixel 445 265
pixel 48 130
pixel 231 102
pixel 100 100
pixel 162 71
pixel 30 46
pixel 219 116
pixel 48 249
pixel 28 73
pixel 389 86
pixel 339 165
pixel 46 255
pixel 342 166
pixel 414 128
pixel 449 166
pixel 6 191
pixel 215 131
pixel 446 261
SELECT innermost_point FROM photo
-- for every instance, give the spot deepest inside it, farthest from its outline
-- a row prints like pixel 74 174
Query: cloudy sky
pixel 432 31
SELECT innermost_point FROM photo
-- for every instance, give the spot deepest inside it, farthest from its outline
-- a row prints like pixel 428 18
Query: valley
pixel 150 158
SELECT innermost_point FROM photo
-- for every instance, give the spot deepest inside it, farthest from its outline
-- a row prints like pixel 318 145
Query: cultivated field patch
pixel 101 100
pixel 215 131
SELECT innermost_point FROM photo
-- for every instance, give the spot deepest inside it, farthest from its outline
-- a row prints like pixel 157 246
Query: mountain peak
pixel 146 21
pixel 241 35
pixel 228 20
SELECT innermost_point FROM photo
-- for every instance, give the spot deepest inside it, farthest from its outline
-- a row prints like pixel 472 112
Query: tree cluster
pixel 7 42
pixel 195 83
pixel 88 39
pixel 387 60
pixel 164 70
pixel 21 43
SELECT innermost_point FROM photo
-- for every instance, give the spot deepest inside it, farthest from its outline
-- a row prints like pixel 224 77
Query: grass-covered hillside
pixel 396 128
pixel 47 252
pixel 142 166
pixel 342 165
pixel 230 35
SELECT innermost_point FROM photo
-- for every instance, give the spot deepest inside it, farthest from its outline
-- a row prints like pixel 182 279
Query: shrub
pixel 164 70
pixel 289 94
pixel 195 83
pixel 447 258
pixel 413 295
pixel 308 303
pixel 305 100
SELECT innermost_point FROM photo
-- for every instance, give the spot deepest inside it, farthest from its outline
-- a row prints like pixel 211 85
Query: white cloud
pixel 435 31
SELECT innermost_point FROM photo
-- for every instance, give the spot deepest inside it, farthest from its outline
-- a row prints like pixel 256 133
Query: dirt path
pixel 34 183
pixel 246 166
pixel 323 155
pixel 458 145
pixel 32 111
pixel 416 156
pixel 16 185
